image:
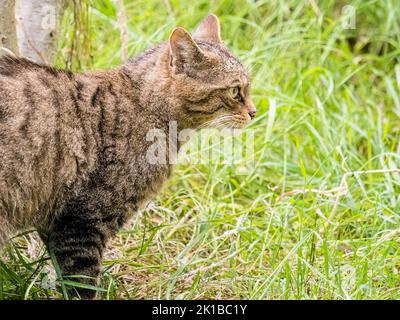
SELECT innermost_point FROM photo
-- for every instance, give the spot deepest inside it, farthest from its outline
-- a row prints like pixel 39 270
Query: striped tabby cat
pixel 73 146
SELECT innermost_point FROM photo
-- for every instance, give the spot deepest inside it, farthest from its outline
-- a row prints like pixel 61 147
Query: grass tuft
pixel 328 105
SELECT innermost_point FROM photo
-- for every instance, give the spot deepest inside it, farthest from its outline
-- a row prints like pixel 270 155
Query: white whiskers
pixel 219 122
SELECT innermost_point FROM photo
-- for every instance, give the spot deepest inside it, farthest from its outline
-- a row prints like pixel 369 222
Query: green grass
pixel 215 233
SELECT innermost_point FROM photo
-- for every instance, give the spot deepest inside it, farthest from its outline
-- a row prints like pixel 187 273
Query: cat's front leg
pixel 78 238
pixel 5 231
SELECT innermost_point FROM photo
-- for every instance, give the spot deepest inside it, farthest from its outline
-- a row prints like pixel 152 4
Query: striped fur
pixel 73 146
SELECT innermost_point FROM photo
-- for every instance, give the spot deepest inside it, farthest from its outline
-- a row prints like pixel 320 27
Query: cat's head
pixel 208 84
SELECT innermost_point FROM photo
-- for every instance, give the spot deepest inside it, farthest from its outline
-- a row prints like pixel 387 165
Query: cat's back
pixel 28 95
pixel 31 96
pixel 39 131
pixel 26 85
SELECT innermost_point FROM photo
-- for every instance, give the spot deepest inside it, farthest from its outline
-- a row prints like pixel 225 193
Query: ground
pixel 315 215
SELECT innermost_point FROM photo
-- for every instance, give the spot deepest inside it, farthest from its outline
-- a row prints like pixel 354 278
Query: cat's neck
pixel 135 94
pixel 148 76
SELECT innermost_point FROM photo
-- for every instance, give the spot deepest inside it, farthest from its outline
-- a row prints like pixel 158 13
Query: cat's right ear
pixel 184 52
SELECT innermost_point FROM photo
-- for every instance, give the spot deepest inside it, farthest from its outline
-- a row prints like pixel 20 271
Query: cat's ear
pixel 184 52
pixel 209 29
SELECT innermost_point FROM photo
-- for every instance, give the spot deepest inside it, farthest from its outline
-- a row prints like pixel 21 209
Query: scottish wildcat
pixel 73 146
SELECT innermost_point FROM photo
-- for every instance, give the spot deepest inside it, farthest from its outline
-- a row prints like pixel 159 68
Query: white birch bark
pixel 38 23
pixel 8 35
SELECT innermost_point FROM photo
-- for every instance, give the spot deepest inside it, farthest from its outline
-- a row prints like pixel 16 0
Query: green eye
pixel 235 92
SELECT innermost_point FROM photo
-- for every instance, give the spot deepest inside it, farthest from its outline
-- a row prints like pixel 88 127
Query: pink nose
pixel 252 113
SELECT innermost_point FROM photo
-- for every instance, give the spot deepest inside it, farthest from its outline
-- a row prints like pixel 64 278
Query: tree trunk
pixel 38 24
pixel 8 35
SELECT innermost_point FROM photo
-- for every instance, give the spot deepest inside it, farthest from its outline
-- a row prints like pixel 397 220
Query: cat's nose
pixel 252 113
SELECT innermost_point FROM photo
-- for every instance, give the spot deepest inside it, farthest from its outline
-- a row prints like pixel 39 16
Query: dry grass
pixel 292 228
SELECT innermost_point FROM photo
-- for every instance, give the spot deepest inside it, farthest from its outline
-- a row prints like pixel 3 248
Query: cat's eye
pixel 235 93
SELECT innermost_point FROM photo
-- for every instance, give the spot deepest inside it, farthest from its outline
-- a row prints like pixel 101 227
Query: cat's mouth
pixel 240 120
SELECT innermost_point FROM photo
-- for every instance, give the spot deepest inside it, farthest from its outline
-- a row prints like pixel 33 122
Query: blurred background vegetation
pixel 328 98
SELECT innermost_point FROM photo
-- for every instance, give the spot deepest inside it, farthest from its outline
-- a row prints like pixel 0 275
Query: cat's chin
pixel 231 127
pixel 237 125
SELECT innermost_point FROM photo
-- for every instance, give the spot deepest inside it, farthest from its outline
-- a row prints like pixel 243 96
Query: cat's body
pixel 75 136
pixel 73 146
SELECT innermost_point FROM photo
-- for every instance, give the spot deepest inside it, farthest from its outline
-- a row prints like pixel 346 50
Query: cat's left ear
pixel 184 52
pixel 209 29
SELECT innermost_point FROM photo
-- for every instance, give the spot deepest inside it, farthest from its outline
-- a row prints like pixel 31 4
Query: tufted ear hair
pixel 184 52
pixel 209 29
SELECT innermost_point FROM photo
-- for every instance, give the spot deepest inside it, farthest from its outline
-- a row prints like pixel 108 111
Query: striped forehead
pixel 230 62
